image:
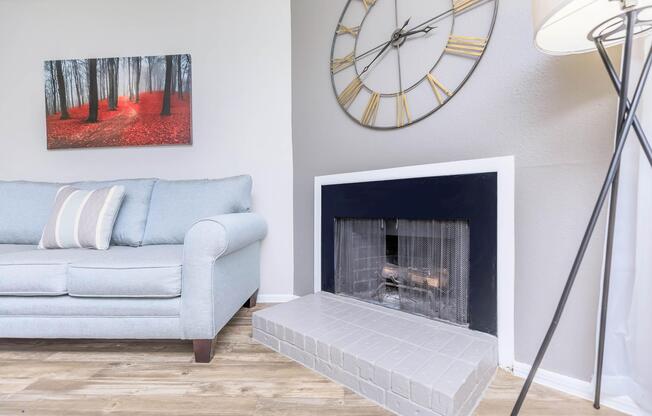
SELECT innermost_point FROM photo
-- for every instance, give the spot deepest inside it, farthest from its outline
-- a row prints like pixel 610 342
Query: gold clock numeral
pixel 437 86
pixel 349 93
pixel 339 64
pixel 466 46
pixel 368 3
pixel 461 5
pixel 402 110
pixel 370 112
pixel 353 31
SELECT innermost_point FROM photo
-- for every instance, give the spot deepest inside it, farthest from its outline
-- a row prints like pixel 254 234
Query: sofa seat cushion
pixel 128 272
pixel 68 306
pixel 35 272
pixel 15 248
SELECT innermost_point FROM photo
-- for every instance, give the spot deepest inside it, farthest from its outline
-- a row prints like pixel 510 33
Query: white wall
pixel 241 53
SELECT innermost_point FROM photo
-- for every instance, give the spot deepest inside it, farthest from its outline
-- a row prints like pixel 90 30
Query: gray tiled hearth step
pixel 408 364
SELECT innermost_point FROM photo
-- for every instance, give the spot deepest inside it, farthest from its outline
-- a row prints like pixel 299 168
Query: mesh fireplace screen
pixel 418 266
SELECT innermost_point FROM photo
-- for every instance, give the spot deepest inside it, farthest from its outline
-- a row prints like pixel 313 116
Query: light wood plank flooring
pixel 158 378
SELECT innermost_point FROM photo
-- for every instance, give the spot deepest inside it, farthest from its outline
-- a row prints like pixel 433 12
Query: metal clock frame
pixel 364 86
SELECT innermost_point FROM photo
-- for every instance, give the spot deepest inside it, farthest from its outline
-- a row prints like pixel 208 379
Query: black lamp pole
pixel 626 119
pixel 613 204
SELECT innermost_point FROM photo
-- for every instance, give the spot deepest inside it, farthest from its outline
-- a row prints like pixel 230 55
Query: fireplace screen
pixel 417 266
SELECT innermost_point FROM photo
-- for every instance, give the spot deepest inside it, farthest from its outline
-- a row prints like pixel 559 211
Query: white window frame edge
pixel 504 167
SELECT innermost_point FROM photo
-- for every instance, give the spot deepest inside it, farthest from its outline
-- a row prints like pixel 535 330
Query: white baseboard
pixel 578 388
pixel 263 298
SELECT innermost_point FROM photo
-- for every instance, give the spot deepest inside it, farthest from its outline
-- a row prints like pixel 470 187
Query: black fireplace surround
pixel 471 197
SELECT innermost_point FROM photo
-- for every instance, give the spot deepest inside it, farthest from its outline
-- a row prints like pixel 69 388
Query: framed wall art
pixel 106 102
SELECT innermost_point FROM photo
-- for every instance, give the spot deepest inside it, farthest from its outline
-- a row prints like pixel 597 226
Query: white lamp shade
pixel 562 27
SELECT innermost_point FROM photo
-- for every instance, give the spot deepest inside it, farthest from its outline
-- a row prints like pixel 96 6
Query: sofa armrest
pixel 221 270
pixel 214 237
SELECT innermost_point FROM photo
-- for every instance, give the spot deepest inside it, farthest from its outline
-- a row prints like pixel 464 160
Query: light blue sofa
pixel 184 258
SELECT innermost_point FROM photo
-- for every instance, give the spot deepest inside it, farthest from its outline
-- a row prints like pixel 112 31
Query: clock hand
pixel 406 34
pixel 433 19
pixel 398 45
pixel 386 45
pixel 414 32
pixel 375 48
pixel 372 50
pixel 366 68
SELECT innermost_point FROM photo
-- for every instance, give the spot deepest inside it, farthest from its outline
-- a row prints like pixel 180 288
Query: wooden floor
pixel 158 378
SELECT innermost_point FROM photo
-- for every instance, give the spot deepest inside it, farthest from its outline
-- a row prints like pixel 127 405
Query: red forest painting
pixel 136 101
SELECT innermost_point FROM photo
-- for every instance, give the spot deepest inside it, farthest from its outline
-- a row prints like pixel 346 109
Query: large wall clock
pixel 396 62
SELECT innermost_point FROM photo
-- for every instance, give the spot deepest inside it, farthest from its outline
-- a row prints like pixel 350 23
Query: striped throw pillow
pixel 83 218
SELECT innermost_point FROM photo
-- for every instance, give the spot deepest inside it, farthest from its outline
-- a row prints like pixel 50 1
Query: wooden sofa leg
pixel 251 302
pixel 203 349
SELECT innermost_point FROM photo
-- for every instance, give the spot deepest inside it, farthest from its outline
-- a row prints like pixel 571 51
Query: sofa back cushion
pixel 130 226
pixel 177 205
pixel 24 210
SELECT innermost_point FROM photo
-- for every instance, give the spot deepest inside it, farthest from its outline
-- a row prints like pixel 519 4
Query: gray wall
pixel 554 114
pixel 235 129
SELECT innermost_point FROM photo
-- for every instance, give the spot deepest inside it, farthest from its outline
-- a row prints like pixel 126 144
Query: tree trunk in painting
pixel 100 79
pixel 105 79
pixel 55 96
pixel 62 91
pixel 47 104
pixel 78 86
pixel 109 70
pixel 173 87
pixel 179 78
pixel 130 71
pixel 105 76
pixel 92 91
pixel 112 86
pixel 167 93
pixel 188 73
pixel 138 66
pixel 150 65
pixel 116 81
pixel 112 81
pixel 71 87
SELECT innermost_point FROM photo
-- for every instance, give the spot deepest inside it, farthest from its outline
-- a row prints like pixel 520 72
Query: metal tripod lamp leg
pixel 622 108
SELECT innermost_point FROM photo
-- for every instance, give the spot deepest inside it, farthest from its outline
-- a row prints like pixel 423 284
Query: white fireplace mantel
pixel 504 168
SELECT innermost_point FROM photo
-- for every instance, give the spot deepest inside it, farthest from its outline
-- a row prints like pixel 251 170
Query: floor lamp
pixel 564 27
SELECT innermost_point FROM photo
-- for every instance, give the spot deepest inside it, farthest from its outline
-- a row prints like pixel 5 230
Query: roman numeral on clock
pixel 349 93
pixel 462 5
pixel 339 64
pixel 369 115
pixel 402 110
pixel 353 31
pixel 368 3
pixel 466 45
pixel 438 88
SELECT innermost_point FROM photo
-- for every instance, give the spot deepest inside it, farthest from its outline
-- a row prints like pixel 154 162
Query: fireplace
pixel 417 266
pixel 419 263
pixel 424 245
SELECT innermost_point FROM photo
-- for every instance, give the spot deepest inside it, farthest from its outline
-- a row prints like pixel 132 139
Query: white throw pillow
pixel 83 218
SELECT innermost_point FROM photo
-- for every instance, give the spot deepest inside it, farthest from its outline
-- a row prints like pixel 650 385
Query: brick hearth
pixel 408 364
